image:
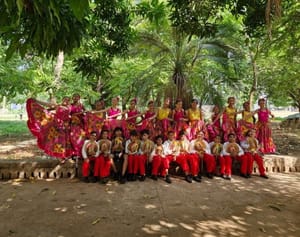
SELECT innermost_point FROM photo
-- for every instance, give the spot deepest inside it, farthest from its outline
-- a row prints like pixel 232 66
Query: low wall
pixel 53 169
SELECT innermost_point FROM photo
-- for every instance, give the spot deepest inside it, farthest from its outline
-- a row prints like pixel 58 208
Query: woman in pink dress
pixel 263 128
pixel 229 119
pixel 78 134
pixel 214 128
pixel 149 119
pixel 94 120
pixel 195 120
pixel 179 118
pixel 247 122
pixel 52 128
pixel 130 123
pixel 112 115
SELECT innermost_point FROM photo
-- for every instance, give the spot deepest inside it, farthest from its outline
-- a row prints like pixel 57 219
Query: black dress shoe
pixel 248 176
pixel 85 180
pixel 142 178
pixel 123 180
pixel 210 175
pixel 244 176
pixel 168 180
pixel 197 179
pixel 154 177
pixel 188 179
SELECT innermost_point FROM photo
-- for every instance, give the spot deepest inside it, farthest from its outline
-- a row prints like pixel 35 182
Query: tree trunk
pixel 57 74
pixel 254 79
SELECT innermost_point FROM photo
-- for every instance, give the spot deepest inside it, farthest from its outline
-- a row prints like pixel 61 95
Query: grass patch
pixel 9 127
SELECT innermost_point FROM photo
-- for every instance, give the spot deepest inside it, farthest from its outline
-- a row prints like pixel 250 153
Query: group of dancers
pixel 127 142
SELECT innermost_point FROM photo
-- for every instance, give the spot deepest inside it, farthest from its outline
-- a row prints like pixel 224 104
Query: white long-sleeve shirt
pixel 84 149
pixel 225 146
pixel 127 151
pixel 170 147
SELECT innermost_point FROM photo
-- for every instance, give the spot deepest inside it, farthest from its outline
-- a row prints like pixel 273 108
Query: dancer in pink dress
pixel 112 115
pixel 196 123
pixel 263 128
pixel 149 119
pixel 179 118
pixel 78 134
pixel 94 120
pixel 214 128
pixel 247 121
pixel 52 128
pixel 229 119
pixel 130 123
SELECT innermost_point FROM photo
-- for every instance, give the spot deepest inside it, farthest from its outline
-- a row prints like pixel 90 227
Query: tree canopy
pixel 150 48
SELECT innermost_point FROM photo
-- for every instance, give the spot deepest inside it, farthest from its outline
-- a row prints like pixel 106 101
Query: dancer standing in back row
pixel 263 128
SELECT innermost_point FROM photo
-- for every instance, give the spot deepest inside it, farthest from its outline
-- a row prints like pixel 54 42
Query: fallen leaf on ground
pixel 262 229
pixel 96 221
pixel 275 207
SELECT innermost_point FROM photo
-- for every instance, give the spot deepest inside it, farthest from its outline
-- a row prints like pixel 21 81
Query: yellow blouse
pixel 163 113
pixel 230 112
pixel 194 114
pixel 247 117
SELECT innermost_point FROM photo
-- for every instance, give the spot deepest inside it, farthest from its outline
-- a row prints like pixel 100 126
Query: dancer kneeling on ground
pixel 90 152
pixel 251 148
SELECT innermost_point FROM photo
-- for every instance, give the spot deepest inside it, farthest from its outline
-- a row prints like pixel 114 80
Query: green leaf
pixel 79 8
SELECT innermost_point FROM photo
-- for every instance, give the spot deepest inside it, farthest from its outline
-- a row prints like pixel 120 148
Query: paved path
pixel 62 208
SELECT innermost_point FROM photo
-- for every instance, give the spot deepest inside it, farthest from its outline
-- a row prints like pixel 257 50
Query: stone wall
pixel 53 169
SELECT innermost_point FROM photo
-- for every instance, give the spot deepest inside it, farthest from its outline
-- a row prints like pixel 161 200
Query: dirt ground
pixel 67 207
pixel 64 208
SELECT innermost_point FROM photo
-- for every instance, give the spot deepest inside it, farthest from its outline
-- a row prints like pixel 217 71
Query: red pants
pixel 103 165
pixel 258 159
pixel 86 166
pixel 193 161
pixel 182 160
pixel 225 165
pixel 137 164
pixel 160 165
pixel 210 163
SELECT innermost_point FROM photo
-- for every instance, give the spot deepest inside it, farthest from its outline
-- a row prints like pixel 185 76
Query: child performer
pixel 105 160
pixel 231 150
pixel 160 164
pixel 200 148
pixel 251 148
pixel 117 150
pixel 146 149
pixel 216 148
pixel 90 152
pixel 263 128
pixel 131 151
pixel 172 152
pixel 188 162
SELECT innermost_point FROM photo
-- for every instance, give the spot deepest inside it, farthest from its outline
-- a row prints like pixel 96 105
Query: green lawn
pixel 11 127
